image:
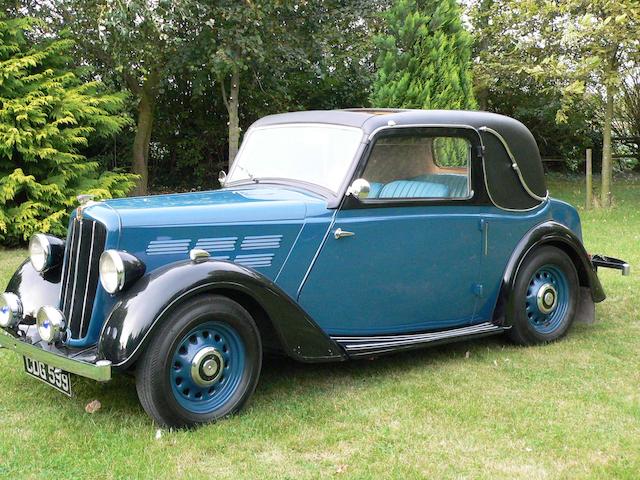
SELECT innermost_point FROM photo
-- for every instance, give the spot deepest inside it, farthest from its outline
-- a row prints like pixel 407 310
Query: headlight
pixel 51 324
pixel 119 269
pixel 10 310
pixel 45 252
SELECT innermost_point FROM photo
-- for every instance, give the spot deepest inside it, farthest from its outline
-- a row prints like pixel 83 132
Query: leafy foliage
pixel 581 46
pixel 425 57
pixel 305 56
pixel 627 121
pixel 47 119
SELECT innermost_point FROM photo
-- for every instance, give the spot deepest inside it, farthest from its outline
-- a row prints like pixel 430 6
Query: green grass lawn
pixel 565 410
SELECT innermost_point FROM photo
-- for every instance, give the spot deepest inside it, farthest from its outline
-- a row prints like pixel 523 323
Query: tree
pixel 48 117
pixel 425 57
pixel 590 44
pixel 322 61
pixel 507 45
pixel 627 119
pixel 235 38
pixel 236 30
pixel 138 40
pixel 604 38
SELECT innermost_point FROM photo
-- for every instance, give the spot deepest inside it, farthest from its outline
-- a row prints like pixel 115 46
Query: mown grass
pixel 566 410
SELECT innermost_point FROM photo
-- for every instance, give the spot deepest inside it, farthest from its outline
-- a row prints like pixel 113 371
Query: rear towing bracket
pixel 603 261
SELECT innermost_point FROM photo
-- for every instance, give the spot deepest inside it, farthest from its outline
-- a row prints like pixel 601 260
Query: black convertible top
pixel 513 167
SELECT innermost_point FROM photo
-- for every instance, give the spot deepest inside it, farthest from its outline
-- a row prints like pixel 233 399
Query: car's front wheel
pixel 203 365
pixel 545 297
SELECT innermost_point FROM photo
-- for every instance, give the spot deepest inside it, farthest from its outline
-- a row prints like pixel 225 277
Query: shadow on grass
pixel 287 380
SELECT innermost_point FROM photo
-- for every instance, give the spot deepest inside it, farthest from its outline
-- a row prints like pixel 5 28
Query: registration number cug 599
pixel 52 376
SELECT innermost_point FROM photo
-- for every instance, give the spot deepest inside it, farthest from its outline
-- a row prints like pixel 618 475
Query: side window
pixel 415 166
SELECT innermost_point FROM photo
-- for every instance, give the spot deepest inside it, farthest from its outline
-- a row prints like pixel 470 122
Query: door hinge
pixel 478 290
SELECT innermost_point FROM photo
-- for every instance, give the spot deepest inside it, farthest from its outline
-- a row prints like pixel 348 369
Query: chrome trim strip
pixel 86 288
pixel 514 164
pixel 317 254
pixel 222 244
pixel 75 276
pixel 256 260
pixel 261 242
pixel 355 344
pixel 100 371
pixel 67 268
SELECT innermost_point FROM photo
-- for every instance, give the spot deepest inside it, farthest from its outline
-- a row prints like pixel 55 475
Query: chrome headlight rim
pixel 118 270
pixel 51 252
pixel 51 324
pixel 11 310
pixel 40 240
pixel 112 285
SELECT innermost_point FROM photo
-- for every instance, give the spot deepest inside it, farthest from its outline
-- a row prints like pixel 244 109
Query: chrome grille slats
pixel 87 283
pixel 80 275
pixel 65 277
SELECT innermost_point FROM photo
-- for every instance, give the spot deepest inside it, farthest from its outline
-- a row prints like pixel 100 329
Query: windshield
pixel 318 154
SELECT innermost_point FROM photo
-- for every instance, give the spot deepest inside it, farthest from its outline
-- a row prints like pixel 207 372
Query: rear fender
pixel 557 235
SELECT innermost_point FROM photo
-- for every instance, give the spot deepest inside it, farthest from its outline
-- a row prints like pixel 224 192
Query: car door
pixel 407 257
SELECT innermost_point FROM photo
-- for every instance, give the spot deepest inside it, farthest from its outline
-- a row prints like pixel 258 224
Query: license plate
pixel 52 376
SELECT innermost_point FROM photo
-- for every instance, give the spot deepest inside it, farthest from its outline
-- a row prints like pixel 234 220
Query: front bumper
pixel 99 371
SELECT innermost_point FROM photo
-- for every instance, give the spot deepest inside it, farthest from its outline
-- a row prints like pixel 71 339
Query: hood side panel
pixel 263 247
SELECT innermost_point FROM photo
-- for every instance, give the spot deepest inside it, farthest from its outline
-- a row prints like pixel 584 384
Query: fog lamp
pixel 10 310
pixel 51 324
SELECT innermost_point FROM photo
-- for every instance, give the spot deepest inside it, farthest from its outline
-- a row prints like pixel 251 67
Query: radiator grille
pixel 80 274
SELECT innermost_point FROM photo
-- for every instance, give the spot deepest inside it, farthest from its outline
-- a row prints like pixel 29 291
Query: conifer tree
pixel 47 117
pixel 425 57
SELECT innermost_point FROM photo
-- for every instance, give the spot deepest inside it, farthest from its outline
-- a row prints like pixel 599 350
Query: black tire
pixel 526 315
pixel 154 383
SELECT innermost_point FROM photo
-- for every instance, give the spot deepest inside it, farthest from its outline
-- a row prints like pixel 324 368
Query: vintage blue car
pixel 337 235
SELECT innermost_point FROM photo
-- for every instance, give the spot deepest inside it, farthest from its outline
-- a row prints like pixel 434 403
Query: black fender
pixel 558 235
pixel 34 288
pixel 142 309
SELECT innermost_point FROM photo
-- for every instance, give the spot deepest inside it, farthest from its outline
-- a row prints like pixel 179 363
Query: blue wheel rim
pixel 546 316
pixel 230 348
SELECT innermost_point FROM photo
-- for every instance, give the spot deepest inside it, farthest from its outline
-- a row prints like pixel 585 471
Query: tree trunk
pixel 140 161
pixel 234 121
pixel 607 163
pixel 141 143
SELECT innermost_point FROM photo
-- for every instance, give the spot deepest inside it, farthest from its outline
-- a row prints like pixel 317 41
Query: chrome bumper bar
pixel 100 371
pixel 610 262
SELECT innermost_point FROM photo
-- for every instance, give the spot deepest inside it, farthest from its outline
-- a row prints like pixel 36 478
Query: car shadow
pixel 284 379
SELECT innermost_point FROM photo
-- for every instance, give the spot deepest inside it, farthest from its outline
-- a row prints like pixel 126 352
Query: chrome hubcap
pixel 207 366
pixel 547 298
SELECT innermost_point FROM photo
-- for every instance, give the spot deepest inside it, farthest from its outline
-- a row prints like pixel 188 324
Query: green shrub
pixel 47 117
pixel 424 58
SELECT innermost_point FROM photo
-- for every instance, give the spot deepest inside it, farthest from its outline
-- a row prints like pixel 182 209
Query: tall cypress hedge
pixel 424 58
pixel 48 116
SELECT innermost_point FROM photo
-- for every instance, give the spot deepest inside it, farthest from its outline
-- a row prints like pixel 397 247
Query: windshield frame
pixel 314 187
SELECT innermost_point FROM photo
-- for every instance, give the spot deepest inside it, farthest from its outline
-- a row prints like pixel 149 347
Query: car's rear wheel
pixel 545 297
pixel 204 365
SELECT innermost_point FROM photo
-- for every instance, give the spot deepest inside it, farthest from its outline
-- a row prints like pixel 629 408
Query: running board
pixel 358 346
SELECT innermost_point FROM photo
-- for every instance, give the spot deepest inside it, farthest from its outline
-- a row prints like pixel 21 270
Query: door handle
pixel 339 233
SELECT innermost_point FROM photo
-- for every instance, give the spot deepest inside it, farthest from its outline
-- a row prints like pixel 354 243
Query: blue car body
pixel 408 274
